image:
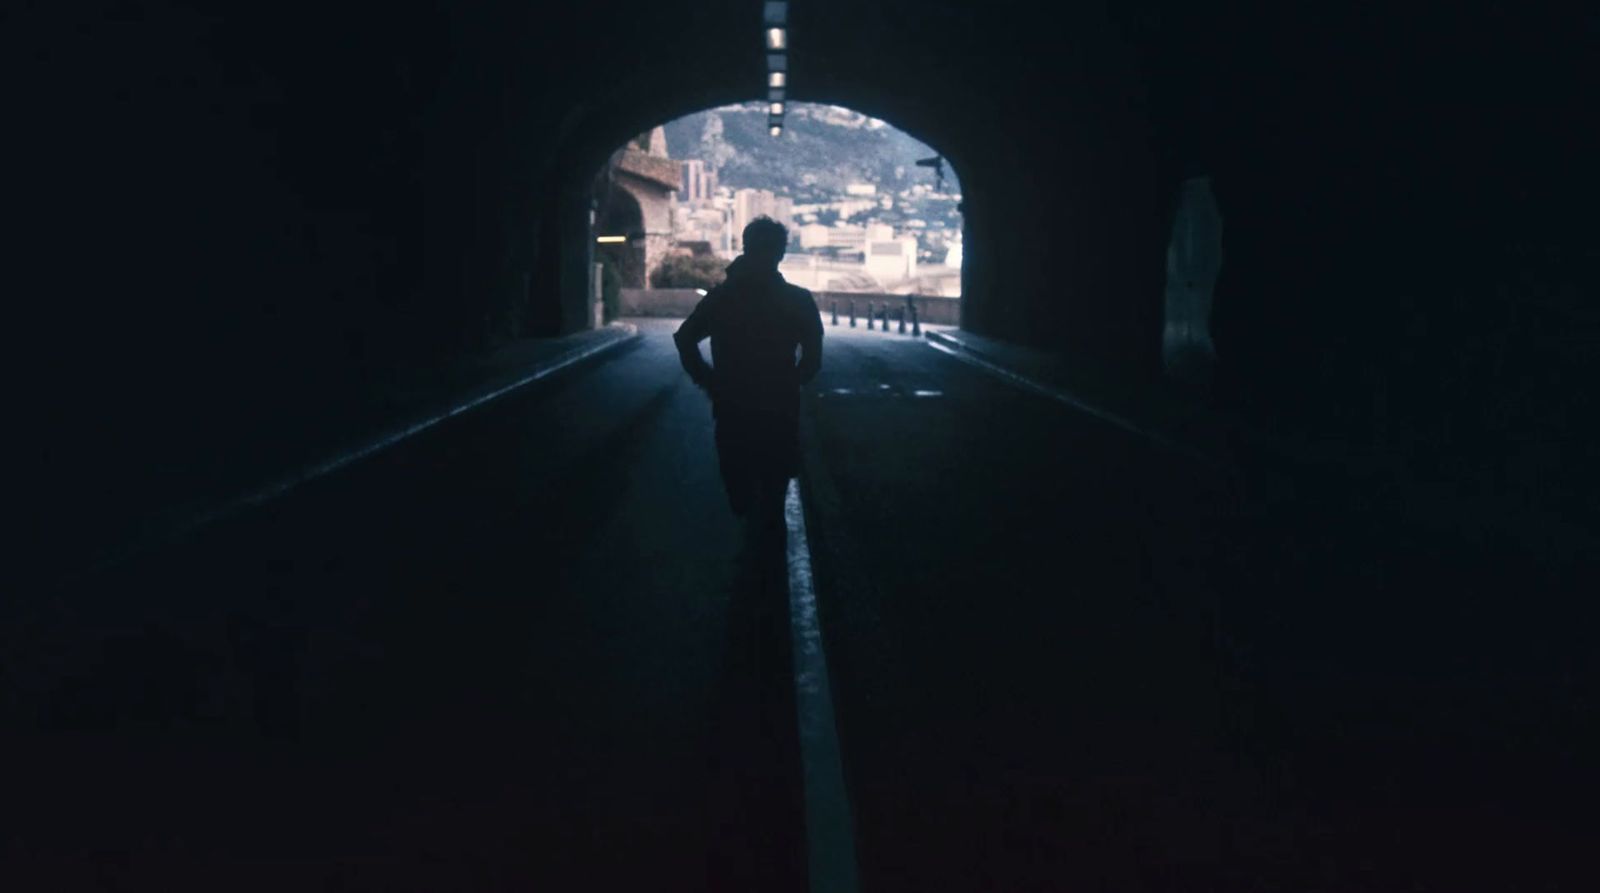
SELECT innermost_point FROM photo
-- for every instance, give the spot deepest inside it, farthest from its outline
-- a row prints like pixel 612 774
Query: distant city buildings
pixel 844 237
pixel 709 224
pixel 699 183
pixel 748 204
pixel 892 237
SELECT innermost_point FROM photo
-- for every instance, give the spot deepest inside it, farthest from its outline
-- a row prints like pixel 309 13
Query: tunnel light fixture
pixel 611 240
pixel 775 130
pixel 777 80
pixel 775 108
pixel 775 12
pixel 777 38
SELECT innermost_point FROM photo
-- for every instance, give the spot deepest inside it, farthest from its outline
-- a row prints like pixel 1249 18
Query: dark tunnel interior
pixel 246 232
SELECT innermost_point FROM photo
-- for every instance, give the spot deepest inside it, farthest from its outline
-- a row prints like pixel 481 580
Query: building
pixel 705 223
pixel 634 201
pixel 891 260
pixel 843 236
pixel 748 204
pixel 699 183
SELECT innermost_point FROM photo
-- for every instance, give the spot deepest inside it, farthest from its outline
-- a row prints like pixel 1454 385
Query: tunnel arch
pixel 591 143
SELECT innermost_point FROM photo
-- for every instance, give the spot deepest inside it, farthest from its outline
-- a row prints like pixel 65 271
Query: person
pixel 755 321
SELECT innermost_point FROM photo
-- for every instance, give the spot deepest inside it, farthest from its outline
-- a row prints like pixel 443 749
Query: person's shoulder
pixel 798 294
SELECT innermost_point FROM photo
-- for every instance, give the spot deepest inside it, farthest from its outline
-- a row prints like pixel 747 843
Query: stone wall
pixel 675 303
pixel 679 302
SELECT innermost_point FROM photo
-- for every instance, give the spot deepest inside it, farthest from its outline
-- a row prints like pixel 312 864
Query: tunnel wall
pixel 240 218
pixel 1408 236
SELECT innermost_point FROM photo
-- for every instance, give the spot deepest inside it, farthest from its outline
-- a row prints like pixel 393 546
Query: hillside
pixel 822 149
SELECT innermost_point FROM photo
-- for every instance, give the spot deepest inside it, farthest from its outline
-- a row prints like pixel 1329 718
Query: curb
pixel 625 334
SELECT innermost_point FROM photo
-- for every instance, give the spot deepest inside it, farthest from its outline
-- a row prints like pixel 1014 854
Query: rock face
pixel 822 146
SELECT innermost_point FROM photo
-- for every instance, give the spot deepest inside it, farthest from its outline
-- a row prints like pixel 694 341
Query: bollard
pixel 883 315
pixel 902 314
pixel 834 305
pixel 852 314
pixel 916 327
pixel 870 316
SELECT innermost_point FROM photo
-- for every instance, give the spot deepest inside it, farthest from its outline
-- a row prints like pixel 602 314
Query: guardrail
pixel 910 310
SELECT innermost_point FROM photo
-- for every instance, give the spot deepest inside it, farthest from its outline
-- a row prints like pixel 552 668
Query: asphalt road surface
pixel 530 650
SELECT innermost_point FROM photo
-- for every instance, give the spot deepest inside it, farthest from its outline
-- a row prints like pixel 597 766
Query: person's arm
pixel 694 330
pixel 810 340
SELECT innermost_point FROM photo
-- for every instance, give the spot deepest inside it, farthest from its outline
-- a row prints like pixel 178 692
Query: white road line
pixel 830 830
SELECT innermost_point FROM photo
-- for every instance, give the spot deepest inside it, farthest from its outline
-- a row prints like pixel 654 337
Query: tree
pixel 610 288
pixel 688 271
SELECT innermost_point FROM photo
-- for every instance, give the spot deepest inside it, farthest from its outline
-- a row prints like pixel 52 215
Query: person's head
pixel 765 240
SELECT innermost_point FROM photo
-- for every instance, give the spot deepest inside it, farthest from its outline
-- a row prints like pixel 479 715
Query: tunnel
pixel 1240 533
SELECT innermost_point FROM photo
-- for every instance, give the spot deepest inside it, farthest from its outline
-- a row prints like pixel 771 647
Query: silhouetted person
pixel 755 321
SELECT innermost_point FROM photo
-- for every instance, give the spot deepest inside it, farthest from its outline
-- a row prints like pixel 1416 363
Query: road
pixel 529 649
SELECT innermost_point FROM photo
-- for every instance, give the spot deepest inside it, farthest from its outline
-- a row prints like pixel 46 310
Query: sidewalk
pixel 1276 466
pixel 1159 415
pixel 349 426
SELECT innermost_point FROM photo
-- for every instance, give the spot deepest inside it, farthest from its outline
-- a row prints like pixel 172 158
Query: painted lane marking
pixel 830 829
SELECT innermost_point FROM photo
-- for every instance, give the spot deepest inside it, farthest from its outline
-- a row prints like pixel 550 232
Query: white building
pixel 892 260
pixel 843 236
pixel 953 259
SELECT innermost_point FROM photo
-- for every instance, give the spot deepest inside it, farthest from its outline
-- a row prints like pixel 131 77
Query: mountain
pixel 822 149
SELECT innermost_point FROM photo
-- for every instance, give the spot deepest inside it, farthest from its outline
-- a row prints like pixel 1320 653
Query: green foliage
pixel 610 287
pixel 684 271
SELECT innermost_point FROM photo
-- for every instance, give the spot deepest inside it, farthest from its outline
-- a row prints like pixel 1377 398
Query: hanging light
pixel 775 16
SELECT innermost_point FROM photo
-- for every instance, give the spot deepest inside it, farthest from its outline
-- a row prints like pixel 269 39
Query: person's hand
pixel 711 383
